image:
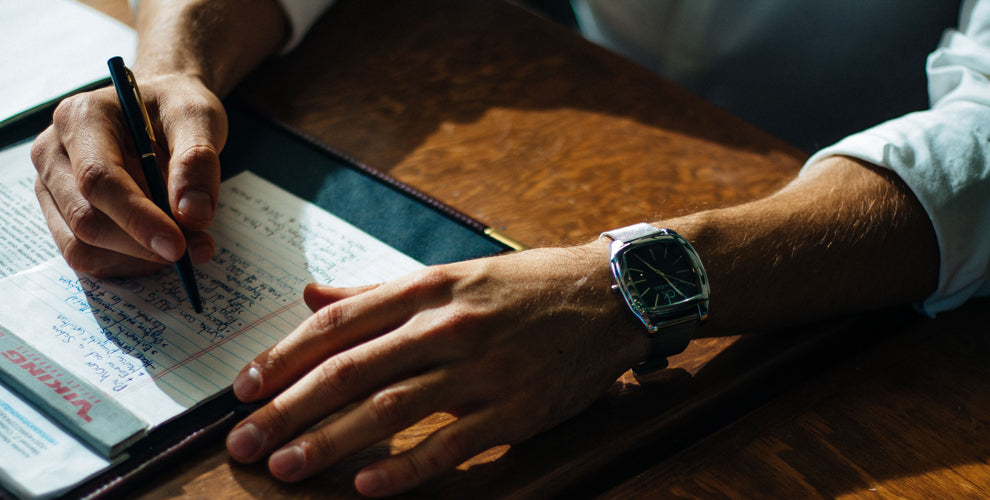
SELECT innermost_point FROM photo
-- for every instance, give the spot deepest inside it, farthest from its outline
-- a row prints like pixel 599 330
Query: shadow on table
pixel 406 69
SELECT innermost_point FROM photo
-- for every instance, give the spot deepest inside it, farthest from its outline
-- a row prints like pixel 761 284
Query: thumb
pixel 195 138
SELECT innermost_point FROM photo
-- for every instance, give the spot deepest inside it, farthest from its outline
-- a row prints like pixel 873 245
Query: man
pixel 514 344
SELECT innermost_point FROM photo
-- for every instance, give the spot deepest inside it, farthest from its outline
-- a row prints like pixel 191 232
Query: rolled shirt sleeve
pixel 943 155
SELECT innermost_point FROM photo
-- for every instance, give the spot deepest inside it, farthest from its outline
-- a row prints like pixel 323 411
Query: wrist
pixel 589 287
pixel 154 68
pixel 661 279
pixel 216 43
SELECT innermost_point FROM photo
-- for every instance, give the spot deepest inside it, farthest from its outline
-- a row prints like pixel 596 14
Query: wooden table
pixel 523 125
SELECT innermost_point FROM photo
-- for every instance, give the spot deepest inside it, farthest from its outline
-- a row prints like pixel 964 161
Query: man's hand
pixel 510 345
pixel 94 195
pixel 513 345
pixel 89 181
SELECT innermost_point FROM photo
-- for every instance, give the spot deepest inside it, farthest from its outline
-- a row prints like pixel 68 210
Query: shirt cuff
pixel 943 155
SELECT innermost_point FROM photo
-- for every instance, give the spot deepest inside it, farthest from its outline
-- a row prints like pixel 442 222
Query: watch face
pixel 660 274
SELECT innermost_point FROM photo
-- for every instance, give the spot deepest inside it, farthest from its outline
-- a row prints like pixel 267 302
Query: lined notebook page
pixel 140 341
pixel 24 237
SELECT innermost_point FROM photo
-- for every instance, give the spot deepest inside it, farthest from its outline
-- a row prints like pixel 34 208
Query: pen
pixel 136 116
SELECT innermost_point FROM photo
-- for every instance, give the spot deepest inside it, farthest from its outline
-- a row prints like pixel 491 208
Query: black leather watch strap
pixel 667 342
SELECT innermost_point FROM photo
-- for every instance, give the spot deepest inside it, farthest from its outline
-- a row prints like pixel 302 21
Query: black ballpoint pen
pixel 136 116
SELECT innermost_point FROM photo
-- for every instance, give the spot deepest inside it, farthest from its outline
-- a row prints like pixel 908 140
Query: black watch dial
pixel 660 274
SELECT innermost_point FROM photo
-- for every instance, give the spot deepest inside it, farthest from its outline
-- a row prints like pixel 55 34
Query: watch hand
pixel 682 280
pixel 647 264
pixel 663 275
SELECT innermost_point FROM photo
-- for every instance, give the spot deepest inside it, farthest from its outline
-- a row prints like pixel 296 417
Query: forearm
pixel 216 42
pixel 843 237
pixel 545 325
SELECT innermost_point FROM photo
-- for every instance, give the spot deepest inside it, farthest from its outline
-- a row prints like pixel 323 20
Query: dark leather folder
pixel 408 220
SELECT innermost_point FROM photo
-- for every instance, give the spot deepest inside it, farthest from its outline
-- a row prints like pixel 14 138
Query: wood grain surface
pixel 906 418
pixel 512 119
pixel 523 125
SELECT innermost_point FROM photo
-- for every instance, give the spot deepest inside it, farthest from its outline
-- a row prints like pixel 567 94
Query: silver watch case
pixel 656 318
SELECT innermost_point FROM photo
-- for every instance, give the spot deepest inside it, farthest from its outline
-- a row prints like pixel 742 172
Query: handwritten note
pixel 24 238
pixel 139 340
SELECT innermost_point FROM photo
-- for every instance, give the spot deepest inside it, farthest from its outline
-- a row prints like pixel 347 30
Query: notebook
pixel 105 380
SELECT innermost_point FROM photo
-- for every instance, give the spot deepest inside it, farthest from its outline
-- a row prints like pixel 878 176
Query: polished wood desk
pixel 521 124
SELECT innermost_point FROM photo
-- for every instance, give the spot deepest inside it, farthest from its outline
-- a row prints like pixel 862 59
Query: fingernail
pixel 200 251
pixel 370 481
pixel 244 442
pixel 196 204
pixel 285 463
pixel 165 247
pixel 247 383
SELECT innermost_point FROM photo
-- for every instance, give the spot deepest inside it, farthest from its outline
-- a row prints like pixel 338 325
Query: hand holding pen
pixel 136 116
pixel 92 190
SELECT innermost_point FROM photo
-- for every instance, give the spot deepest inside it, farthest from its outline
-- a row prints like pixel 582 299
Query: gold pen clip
pixel 140 101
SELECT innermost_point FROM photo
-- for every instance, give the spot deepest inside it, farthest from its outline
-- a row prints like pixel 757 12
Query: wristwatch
pixel 660 276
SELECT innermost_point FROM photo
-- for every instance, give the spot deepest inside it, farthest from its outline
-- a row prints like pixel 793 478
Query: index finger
pixel 96 153
pixel 328 331
pixel 352 320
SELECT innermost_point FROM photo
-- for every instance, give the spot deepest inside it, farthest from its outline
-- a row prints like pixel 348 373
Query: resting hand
pixel 511 345
pixel 93 193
